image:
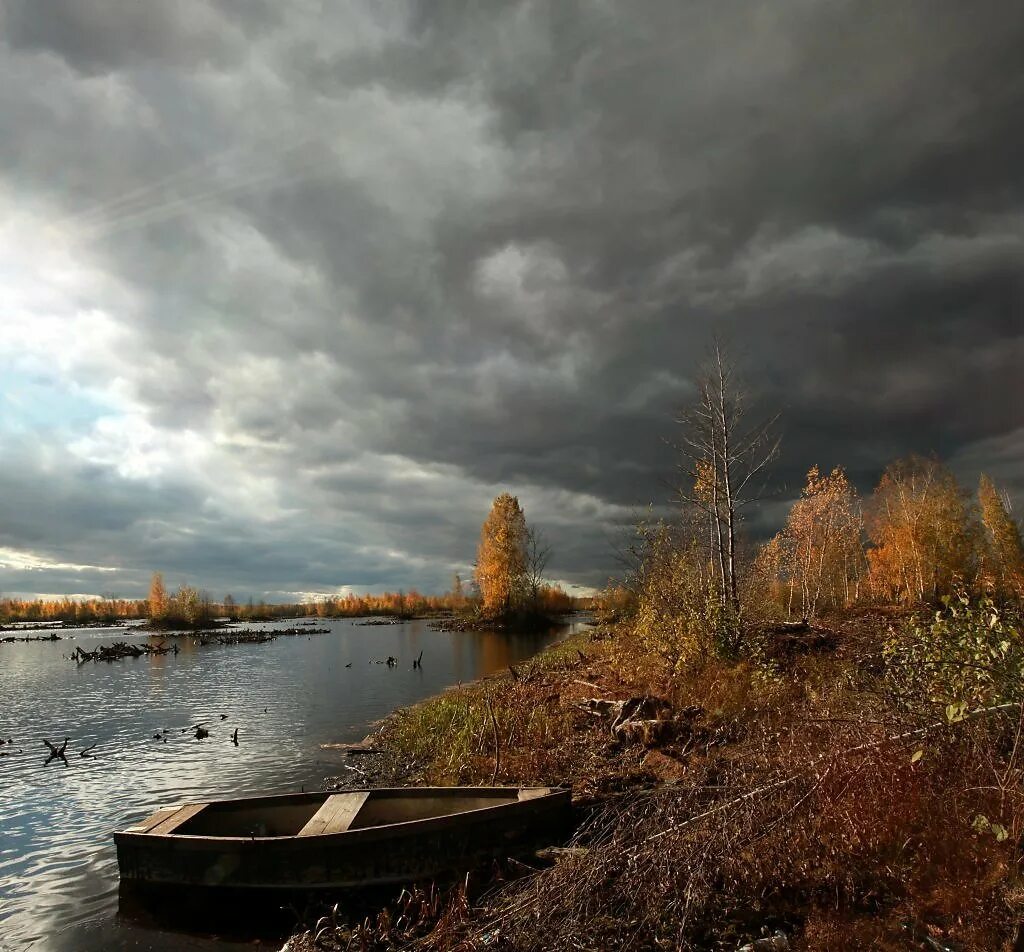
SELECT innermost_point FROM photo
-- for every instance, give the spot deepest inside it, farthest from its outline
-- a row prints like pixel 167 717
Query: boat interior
pixel 319 814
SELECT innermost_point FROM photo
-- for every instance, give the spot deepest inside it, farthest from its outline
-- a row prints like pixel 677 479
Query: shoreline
pixel 380 768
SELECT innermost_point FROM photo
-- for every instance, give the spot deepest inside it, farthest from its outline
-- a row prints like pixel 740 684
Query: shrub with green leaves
pixel 968 654
pixel 679 615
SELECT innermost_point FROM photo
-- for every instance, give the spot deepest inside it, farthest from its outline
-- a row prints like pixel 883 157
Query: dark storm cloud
pixel 373 263
pixel 103 35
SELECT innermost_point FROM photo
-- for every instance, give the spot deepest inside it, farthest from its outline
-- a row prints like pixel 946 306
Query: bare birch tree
pixel 538 554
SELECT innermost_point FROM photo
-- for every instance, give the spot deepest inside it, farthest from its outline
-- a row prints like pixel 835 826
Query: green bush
pixel 679 614
pixel 968 654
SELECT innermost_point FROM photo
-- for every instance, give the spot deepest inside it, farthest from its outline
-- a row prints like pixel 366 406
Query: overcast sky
pixel 289 291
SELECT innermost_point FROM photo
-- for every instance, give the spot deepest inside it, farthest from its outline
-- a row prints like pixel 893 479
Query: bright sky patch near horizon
pixel 289 292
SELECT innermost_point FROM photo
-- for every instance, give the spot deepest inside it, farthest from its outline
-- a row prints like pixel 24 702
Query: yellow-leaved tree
pixel 157 598
pixel 822 543
pixel 501 561
pixel 922 534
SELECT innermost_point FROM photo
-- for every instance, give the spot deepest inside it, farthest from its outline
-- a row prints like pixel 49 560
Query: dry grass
pixel 504 729
pixel 800 803
pixel 819 837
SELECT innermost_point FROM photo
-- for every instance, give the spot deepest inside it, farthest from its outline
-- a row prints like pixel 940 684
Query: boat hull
pixel 374 855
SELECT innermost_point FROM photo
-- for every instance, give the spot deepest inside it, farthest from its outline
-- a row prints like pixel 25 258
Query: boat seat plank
pixel 176 819
pixel 154 819
pixel 336 814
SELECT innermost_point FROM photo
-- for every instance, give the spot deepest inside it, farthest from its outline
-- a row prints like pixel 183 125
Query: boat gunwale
pixel 383 831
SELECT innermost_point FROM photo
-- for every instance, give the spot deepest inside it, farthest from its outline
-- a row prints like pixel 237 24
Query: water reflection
pixel 58 870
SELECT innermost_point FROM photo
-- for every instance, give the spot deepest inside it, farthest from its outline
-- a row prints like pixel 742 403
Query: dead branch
pixel 56 753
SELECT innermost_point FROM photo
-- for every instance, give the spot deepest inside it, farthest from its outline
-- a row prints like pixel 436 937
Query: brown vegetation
pixel 821 790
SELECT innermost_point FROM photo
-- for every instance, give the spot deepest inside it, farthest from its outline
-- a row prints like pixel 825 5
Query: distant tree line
pixel 70 610
pixel 188 607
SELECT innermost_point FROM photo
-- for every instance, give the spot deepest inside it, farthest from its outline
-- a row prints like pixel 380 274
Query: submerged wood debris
pixel 53 636
pixel 120 650
pixel 259 636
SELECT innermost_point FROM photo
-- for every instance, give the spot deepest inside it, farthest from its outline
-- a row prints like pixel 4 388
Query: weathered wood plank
pixel 153 819
pixel 338 811
pixel 175 820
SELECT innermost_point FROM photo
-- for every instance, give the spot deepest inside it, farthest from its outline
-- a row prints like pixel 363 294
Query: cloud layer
pixel 289 292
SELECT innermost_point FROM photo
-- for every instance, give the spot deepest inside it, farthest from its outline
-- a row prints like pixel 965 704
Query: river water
pixel 58 868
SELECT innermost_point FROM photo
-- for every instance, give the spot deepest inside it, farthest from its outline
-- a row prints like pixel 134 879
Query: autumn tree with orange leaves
pixel 502 557
pixel 818 556
pixel 923 537
pixel 157 597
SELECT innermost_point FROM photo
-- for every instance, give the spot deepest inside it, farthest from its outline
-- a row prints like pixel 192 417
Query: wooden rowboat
pixel 337 841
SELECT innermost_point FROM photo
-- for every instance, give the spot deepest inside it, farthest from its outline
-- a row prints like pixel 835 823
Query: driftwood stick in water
pixel 56 753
